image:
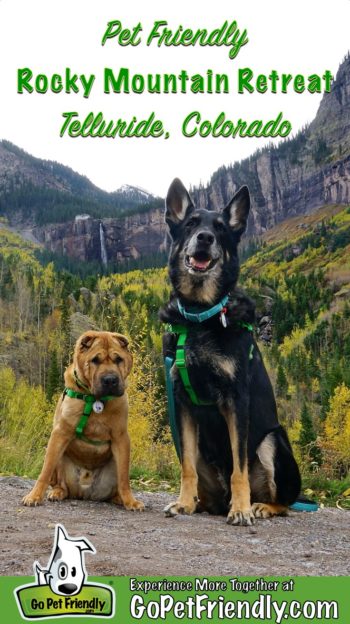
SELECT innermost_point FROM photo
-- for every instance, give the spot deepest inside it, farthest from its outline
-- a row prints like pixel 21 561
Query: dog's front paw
pixel 135 505
pixel 32 499
pixel 130 503
pixel 179 507
pixel 268 510
pixel 240 517
pixel 57 494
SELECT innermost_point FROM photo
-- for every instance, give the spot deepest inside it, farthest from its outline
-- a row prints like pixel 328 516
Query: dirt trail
pixel 149 544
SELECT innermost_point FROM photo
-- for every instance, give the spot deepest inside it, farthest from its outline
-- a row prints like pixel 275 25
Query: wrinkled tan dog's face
pixel 103 360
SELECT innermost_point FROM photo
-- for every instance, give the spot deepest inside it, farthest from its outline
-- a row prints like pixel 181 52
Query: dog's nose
pixel 205 237
pixel 67 588
pixel 109 381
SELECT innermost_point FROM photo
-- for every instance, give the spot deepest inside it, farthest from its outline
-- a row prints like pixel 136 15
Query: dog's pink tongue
pixel 199 264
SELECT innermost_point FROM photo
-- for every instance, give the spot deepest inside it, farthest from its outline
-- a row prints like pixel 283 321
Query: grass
pixel 328 492
pixel 150 481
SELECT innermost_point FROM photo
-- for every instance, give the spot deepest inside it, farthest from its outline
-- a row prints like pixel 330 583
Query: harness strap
pixel 89 400
pixel 199 317
pixel 180 361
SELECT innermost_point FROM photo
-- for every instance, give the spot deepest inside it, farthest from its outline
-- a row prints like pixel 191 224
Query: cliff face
pixel 279 190
pixel 299 175
pixel 296 177
pixel 106 240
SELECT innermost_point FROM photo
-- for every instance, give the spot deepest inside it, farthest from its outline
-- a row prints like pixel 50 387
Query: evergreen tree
pixel 66 333
pixel 281 382
pixel 308 436
pixel 53 377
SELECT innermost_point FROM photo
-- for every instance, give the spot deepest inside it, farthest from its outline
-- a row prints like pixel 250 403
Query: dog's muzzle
pixel 202 252
pixel 111 384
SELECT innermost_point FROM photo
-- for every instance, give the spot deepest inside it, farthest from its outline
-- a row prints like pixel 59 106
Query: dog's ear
pixel 86 341
pixel 178 203
pixel 237 210
pixel 123 341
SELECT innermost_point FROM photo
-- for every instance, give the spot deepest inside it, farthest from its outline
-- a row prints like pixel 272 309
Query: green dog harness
pixel 182 333
pixel 179 360
pixel 92 404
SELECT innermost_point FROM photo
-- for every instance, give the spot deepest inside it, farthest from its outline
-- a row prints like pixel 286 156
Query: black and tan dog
pixel 88 457
pixel 235 456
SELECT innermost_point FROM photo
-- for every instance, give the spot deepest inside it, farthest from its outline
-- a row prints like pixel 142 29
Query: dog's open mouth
pixel 201 261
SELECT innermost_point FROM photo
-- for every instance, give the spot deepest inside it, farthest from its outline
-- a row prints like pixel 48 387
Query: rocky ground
pixel 147 543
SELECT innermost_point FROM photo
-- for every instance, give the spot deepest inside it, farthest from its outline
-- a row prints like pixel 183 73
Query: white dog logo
pixel 65 573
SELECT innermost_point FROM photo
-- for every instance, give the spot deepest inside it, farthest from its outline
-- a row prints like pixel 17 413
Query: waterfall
pixel 104 257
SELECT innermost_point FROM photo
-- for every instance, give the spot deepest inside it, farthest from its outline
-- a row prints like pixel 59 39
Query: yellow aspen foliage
pixel 25 425
pixel 337 424
pixel 151 451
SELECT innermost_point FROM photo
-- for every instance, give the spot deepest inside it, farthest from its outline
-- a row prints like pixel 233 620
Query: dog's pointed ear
pixel 86 340
pixel 123 340
pixel 178 203
pixel 84 544
pixel 237 211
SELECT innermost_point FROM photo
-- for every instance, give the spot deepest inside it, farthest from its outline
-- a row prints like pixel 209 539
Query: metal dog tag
pixel 223 318
pixel 98 407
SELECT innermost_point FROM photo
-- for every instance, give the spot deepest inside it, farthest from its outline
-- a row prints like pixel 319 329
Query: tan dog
pixel 96 464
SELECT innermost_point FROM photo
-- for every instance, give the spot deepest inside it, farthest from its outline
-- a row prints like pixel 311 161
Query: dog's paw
pixel 57 494
pixel 32 500
pixel 266 510
pixel 240 518
pixel 174 509
pixel 134 505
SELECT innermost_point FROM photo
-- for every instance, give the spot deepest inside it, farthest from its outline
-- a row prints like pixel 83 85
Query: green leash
pixel 89 400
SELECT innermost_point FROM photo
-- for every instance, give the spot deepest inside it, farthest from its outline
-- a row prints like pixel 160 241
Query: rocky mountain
pixel 300 174
pixel 37 192
pixel 67 214
pixel 106 240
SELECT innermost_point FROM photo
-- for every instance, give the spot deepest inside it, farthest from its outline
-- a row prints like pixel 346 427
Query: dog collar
pixel 89 400
pixel 199 317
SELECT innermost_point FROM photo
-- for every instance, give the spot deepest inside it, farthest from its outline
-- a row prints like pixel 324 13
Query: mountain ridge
pixel 297 176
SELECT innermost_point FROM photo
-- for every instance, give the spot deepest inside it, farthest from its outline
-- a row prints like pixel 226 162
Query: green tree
pixel 66 333
pixel 53 377
pixel 281 382
pixel 307 438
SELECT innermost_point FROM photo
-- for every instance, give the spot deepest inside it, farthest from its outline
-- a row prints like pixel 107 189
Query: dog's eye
pixel 95 360
pixel 62 571
pixel 74 571
pixel 219 226
pixel 192 222
pixel 118 359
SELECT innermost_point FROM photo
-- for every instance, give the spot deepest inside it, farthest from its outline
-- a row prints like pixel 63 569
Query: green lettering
pixel 244 77
pixel 68 117
pixel 195 115
pixel 113 28
pixel 56 83
pixel 314 84
pixel 23 77
pixel 299 83
pixel 261 83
